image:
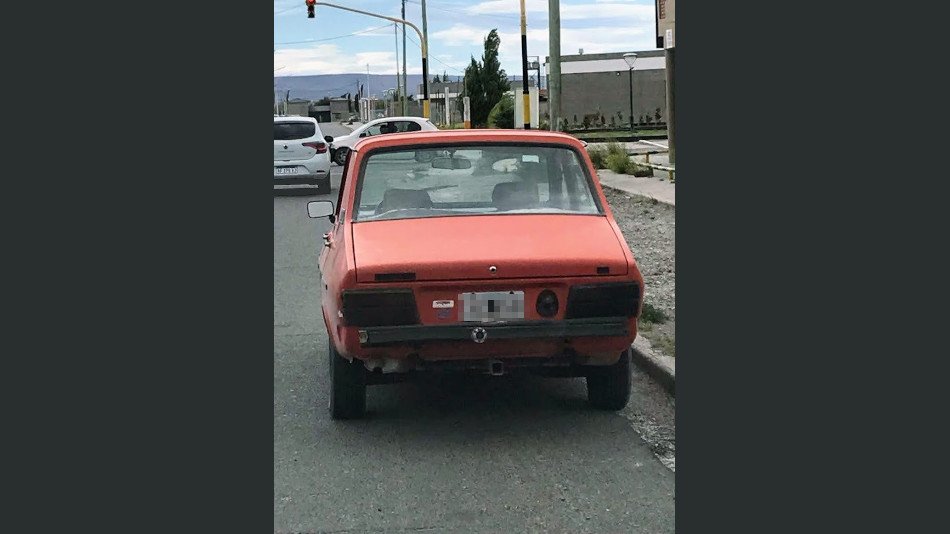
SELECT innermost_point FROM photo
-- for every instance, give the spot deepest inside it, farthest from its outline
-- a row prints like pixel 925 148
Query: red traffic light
pixel 310 5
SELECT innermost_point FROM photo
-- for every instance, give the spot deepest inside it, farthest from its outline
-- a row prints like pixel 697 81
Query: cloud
pixel 597 39
pixel 330 59
pixel 601 9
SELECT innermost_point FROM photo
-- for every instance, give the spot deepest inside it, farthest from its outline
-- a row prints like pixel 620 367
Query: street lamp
pixel 631 58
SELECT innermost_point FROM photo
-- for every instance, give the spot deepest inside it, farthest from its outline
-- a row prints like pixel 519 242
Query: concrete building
pixel 340 109
pixel 600 84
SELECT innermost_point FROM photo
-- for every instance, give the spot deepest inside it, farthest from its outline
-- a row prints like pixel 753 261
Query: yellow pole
pixel 526 95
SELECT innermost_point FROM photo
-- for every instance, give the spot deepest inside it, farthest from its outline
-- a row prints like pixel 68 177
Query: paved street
pixel 493 455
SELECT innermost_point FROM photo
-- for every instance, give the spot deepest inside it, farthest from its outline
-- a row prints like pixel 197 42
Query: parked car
pixel 301 155
pixel 342 145
pixel 498 255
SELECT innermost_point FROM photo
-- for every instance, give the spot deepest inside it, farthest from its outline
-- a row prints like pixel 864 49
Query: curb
pixel 658 367
pixel 636 193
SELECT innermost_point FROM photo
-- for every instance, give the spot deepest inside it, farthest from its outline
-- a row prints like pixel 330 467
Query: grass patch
pixel 667 345
pixel 652 314
pixel 598 156
pixel 615 158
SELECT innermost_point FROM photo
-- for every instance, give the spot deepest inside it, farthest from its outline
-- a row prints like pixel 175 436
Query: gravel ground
pixel 650 230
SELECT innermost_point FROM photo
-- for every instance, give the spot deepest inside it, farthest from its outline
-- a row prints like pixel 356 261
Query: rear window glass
pixel 286 131
pixel 474 180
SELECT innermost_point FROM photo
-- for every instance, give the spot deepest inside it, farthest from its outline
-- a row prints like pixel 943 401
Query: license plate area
pixel 284 170
pixel 491 306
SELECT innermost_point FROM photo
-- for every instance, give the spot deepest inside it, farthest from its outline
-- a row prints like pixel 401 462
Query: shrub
pixel 617 162
pixel 616 148
pixel 598 155
pixel 652 314
pixel 503 114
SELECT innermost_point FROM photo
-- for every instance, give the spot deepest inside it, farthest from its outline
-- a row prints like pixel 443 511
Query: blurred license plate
pixel 492 306
pixel 285 170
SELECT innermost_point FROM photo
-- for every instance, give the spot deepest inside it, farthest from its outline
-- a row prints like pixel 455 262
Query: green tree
pixel 485 81
pixel 502 115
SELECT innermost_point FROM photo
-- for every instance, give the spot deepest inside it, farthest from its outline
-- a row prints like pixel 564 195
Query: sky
pixel 326 44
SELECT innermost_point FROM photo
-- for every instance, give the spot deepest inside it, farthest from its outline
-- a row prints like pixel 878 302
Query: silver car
pixel 301 155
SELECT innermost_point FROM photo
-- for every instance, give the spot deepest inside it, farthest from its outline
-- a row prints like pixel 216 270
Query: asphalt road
pixel 492 455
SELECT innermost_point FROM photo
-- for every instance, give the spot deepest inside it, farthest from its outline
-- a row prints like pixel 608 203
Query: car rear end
pixel 500 290
pixel 301 155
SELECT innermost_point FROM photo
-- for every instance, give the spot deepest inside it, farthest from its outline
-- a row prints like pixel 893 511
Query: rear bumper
pixel 298 181
pixel 380 336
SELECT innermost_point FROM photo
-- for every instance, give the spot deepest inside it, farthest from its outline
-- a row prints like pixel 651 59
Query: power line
pixel 435 58
pixel 464 13
pixel 332 38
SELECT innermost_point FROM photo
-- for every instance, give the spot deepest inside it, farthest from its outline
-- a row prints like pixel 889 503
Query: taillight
pixel 320 147
pixel 603 300
pixel 379 307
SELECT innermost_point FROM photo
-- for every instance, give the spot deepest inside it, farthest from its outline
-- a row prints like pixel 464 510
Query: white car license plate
pixel 492 306
pixel 285 170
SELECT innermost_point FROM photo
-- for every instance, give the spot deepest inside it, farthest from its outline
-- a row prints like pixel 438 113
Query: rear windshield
pixel 287 131
pixel 474 180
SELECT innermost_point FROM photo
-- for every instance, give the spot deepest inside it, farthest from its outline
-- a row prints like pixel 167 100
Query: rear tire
pixel 339 157
pixel 608 387
pixel 347 386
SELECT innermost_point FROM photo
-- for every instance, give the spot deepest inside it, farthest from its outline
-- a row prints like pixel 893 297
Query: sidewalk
pixel 638 147
pixel 656 187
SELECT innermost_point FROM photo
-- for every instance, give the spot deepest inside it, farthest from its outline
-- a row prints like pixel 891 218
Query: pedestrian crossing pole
pixel 467 113
pixel 525 95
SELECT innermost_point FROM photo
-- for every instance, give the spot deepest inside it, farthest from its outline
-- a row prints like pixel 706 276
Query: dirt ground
pixel 650 230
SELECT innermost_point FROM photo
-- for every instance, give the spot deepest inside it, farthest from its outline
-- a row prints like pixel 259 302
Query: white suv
pixel 301 155
pixel 343 144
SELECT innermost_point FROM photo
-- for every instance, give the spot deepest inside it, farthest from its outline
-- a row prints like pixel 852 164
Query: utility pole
pixel 405 84
pixel 525 96
pixel 670 99
pixel 554 63
pixel 395 96
pixel 425 60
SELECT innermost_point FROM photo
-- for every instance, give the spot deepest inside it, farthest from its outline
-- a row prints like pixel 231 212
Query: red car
pixel 478 250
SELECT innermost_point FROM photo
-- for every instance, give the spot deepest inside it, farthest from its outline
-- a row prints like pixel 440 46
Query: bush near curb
pixel 614 157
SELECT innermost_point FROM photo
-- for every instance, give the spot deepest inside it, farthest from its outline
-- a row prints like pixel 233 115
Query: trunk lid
pixel 465 248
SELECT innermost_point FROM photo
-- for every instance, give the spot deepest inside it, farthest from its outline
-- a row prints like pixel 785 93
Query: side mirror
pixel 319 208
pixel 328 138
pixel 363 134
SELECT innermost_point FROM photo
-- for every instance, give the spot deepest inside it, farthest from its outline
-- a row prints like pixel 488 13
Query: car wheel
pixel 340 156
pixel 608 387
pixel 347 387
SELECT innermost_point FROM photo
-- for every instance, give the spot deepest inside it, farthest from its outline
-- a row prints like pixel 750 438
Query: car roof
pixel 467 136
pixel 415 119
pixel 294 118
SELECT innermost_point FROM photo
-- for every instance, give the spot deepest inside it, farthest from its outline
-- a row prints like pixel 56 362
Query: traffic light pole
pixel 425 48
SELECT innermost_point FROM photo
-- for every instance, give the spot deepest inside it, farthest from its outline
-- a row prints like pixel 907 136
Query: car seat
pixel 395 199
pixel 515 196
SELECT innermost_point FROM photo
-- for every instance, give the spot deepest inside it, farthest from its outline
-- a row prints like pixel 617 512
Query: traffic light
pixel 310 6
